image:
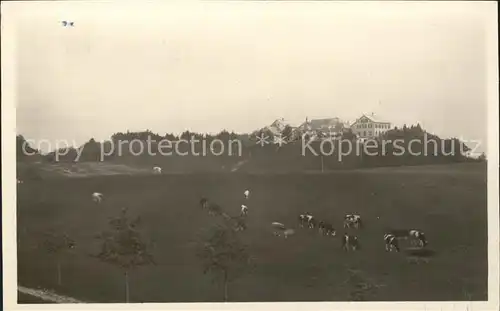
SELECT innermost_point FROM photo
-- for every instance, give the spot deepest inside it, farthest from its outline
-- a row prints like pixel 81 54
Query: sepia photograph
pixel 323 153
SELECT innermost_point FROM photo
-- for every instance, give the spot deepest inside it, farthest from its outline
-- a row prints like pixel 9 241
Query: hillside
pixel 248 155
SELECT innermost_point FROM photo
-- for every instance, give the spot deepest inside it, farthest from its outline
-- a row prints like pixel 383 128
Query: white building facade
pixel 369 127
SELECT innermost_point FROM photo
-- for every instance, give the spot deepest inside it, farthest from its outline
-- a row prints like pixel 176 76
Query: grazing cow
pixel 419 237
pixel 97 197
pixel 157 170
pixel 328 230
pixel 246 193
pixel 353 221
pixel 350 242
pixel 311 221
pixel 204 203
pixel 244 210
pixel 391 242
pixel 415 236
pixel 280 228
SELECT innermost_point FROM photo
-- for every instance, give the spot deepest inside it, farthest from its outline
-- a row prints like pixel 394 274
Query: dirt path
pixel 47 295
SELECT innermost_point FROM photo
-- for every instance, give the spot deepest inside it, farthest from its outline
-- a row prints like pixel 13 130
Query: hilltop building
pixel 369 127
pixel 322 128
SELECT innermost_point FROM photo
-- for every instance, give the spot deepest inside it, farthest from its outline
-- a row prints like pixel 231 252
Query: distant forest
pixel 270 157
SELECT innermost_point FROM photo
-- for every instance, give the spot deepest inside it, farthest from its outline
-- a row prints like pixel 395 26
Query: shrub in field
pixel 124 247
pixel 57 244
pixel 224 255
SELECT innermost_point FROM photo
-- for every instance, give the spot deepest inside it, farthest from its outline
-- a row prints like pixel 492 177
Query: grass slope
pixel 449 205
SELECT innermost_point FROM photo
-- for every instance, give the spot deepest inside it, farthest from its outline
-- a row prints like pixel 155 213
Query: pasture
pixel 447 202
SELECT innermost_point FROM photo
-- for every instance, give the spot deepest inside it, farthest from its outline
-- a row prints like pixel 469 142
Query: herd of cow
pixel 351 242
pixel 307 220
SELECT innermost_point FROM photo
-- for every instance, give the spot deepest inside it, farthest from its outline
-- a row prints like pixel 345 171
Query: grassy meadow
pixel 447 202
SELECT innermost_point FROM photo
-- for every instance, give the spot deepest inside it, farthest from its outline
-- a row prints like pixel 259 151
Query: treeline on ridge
pixel 290 156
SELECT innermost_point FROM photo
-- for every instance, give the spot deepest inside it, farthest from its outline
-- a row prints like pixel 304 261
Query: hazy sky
pixel 241 65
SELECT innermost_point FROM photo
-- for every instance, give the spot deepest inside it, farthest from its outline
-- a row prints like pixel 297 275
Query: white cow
pixel 244 210
pixel 97 197
pixel 157 170
pixel 246 193
pixel 280 228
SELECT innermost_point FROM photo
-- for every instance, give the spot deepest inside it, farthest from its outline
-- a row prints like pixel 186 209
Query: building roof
pixel 322 123
pixel 373 118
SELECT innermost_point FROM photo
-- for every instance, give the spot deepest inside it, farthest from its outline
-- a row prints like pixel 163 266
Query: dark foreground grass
pixel 28 299
pixel 449 207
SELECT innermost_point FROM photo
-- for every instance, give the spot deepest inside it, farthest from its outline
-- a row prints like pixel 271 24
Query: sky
pixel 208 66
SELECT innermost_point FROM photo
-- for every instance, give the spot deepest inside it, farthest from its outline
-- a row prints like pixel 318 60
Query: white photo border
pixel 8 123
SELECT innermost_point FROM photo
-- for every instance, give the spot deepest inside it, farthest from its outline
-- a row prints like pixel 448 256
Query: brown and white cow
pixel 350 242
pixel 353 221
